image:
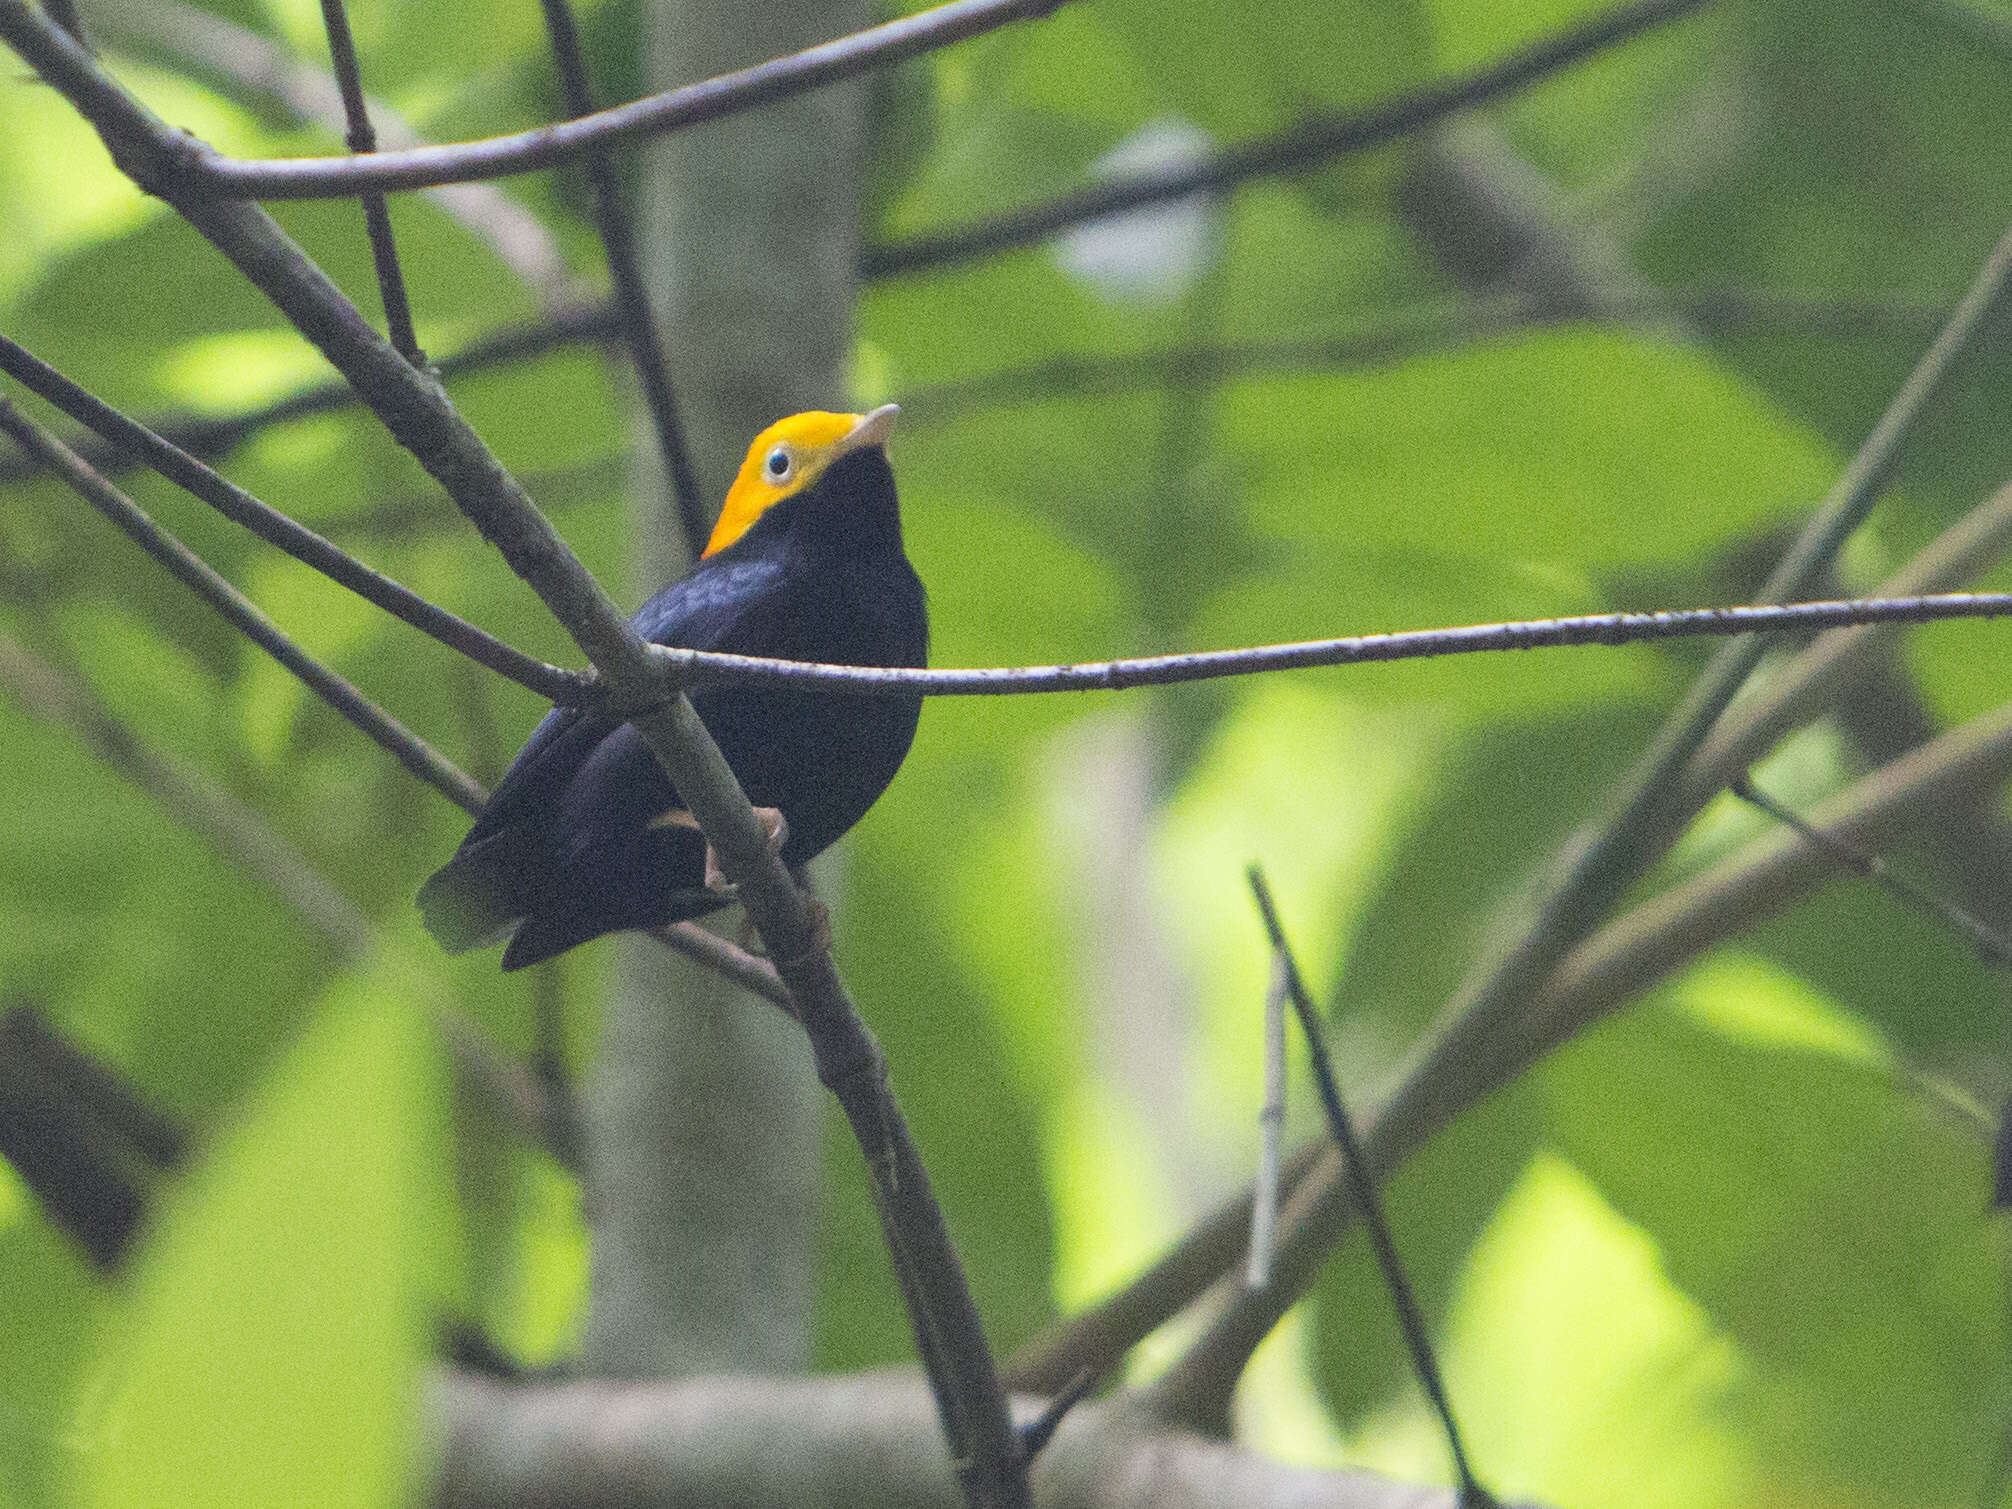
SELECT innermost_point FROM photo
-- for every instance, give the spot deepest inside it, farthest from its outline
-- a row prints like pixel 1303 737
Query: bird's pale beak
pixel 872 429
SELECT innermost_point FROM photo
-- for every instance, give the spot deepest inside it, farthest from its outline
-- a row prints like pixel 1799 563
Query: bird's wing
pixel 581 772
pixel 722 602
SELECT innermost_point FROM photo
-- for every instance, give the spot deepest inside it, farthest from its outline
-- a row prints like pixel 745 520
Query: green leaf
pixel 1824 1213
pixel 271 1349
pixel 1572 448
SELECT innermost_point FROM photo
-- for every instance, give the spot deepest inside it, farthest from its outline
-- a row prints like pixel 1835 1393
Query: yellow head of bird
pixel 789 456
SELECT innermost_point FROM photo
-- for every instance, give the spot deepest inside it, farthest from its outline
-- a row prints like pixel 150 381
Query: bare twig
pixel 417 414
pixel 1104 1333
pixel 230 827
pixel 376 213
pixel 202 170
pixel 1368 1204
pixel 1400 333
pixel 1306 144
pixel 1482 1025
pixel 1271 1130
pixel 1038 1432
pixel 242 614
pixel 276 528
pixel 755 975
pixel 701 667
pixel 1990 945
pixel 1812 681
pixel 639 321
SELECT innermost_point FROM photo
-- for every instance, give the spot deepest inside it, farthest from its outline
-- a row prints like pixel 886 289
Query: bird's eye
pixel 779 464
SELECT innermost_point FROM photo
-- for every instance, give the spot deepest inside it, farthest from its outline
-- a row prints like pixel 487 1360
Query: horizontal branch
pixel 203 170
pixel 1390 335
pixel 863 1439
pixel 700 667
pixel 1313 141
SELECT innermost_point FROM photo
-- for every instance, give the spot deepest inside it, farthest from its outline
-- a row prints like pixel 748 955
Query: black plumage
pixel 582 836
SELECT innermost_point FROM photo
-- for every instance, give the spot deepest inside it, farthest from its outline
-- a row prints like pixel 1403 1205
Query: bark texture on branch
pixel 823 1443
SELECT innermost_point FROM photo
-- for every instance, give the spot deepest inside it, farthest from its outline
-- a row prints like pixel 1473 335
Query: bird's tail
pixel 477 897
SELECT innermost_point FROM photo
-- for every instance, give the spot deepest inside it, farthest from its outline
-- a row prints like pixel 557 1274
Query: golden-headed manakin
pixel 586 835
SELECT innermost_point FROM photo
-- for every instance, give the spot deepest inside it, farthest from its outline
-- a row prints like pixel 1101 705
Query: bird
pixel 585 835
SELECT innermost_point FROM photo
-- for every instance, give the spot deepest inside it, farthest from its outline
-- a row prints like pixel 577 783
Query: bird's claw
pixel 777 828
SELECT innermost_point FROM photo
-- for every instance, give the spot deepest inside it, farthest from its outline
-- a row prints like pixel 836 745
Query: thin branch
pixel 1103 1334
pixel 411 751
pixel 1641 824
pixel 276 528
pixel 213 436
pixel 1810 683
pixel 1990 945
pixel 376 213
pixel 1313 141
pixel 794 930
pixel 1403 333
pixel 684 667
pixel 64 14
pixel 1271 1131
pixel 1039 1431
pixel 639 321
pixel 1368 1205
pixel 253 67
pixel 201 170
pixel 231 828
pixel 1664 934
pixel 1606 971
pixel 755 975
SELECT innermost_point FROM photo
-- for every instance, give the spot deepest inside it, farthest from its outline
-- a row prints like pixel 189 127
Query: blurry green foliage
pixel 1702 1257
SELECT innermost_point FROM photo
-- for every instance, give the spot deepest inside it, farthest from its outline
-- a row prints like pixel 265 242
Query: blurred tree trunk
pixel 703 1118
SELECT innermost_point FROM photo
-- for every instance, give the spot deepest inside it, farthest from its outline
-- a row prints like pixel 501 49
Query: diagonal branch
pixel 376 213
pixel 201 170
pixel 411 751
pixel 231 828
pixel 1311 142
pixel 1491 1017
pixel 1604 973
pixel 1809 684
pixel 417 414
pixel 252 67
pixel 269 524
pixel 639 321
pixel 1368 1203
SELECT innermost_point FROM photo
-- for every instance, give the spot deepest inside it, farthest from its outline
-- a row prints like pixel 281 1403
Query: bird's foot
pixel 777 828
